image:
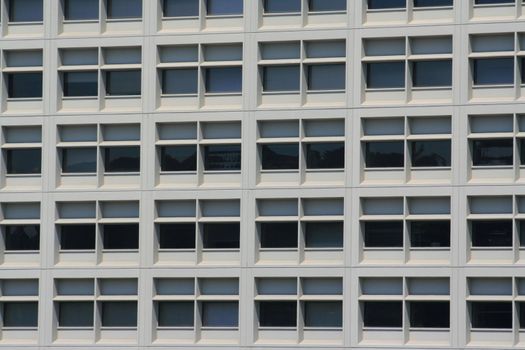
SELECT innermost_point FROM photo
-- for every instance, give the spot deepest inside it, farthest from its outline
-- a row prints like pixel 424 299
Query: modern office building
pixel 262 174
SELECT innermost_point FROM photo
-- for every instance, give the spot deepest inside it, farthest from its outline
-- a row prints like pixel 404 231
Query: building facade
pixel 262 174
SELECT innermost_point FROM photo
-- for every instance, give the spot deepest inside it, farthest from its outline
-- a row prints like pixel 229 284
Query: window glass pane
pixel 489 2
pixel 493 71
pixel 433 3
pixel 324 234
pixel 383 314
pixel 177 236
pixel 220 314
pixel 175 314
pixel 278 235
pixel 24 85
pixel 282 6
pixel 119 314
pixel 180 8
pixel 221 235
pixel 492 152
pixel 384 154
pixel 77 237
pixel 522 236
pixel 492 233
pixel 430 153
pixel 20 314
pixel 124 9
pixel 386 4
pixel 80 9
pixel 280 156
pixel 281 78
pixel 323 314
pixel 277 314
pixel 496 315
pixel 521 310
pixel 325 155
pixel 385 75
pixel 432 73
pixel 75 314
pixel 180 81
pixel 326 5
pixel 178 158
pixel 326 77
pixel 382 234
pixel 429 314
pixel 26 10
pixel 224 7
pixel 430 234
pixel 81 84
pixel 122 159
pixel 121 236
pixel 22 237
pixel 24 161
pixel 79 160
pixel 222 157
pixel 222 80
pixel 123 83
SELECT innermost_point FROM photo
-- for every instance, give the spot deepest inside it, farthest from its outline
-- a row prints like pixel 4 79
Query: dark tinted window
pixel 119 314
pixel 384 154
pixel 77 237
pixel 324 235
pixel 178 158
pixel 124 9
pixel 430 234
pixel 79 160
pixel 521 143
pixel 177 236
pixel 122 159
pixel 224 79
pixel 493 71
pixel 496 233
pixel 222 157
pixel 280 156
pixel 496 315
pixel 385 75
pixel 432 73
pixel 326 5
pixel 26 10
pixel 521 310
pixel 383 314
pixel 282 6
pixel 427 314
pixel 281 78
pixel 492 152
pixel 325 155
pixel 24 85
pixel 121 236
pixel 175 314
pixel 24 161
pixel 323 314
pixel 381 234
pixel 326 77
pixel 522 235
pixel 20 314
pixel 277 314
pixel 386 4
pixel 224 7
pixel 433 3
pixel 221 235
pixel 220 314
pixel 123 83
pixel 22 237
pixel 490 2
pixel 80 84
pixel 75 314
pixel 76 10
pixel 180 8
pixel 180 81
pixel 430 153
pixel 278 234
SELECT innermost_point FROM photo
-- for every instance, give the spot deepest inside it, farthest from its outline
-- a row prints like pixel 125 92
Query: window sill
pixel 491 248
pixel 434 249
pixel 32 329
pixel 124 173
pixel 25 23
pixel 65 328
pixel 281 14
pixel 334 249
pixel 339 329
pixel 385 169
pixel 22 175
pixel 218 94
pixel 429 329
pixel 338 91
pixel 398 9
pixel 74 98
pixel 77 251
pixel 167 328
pixel 118 97
pixel 179 95
pixel 167 250
pixel 431 88
pixel 397 89
pixel 290 92
pixel 118 328
pixel 78 174
pixel 233 250
pixel 218 172
pixel 492 167
pixel 204 328
pixel 393 249
pixel 493 86
pixel 431 8
pixel 120 251
pixel 489 330
pixel 277 171
pixel 185 172
pixel 232 15
pixel 493 5
pixel 326 170
pixel 430 168
pixel 80 21
pixel 334 12
pixel 277 328
pixel 24 99
pixel 278 249
pixel 179 18
pixel 25 252
pixel 117 20
pixel 399 329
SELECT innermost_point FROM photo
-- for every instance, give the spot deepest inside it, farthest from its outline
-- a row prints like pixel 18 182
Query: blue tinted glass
pixel 80 9
pixel 222 157
pixel 224 7
pixel 326 5
pixel 433 3
pixel 20 314
pixel 281 78
pixel 493 71
pixel 280 156
pixel 124 9
pixel 386 4
pixel 282 6
pixel 220 314
pixel 122 159
pixel 81 84
pixel 75 314
pixel 178 158
pixel 24 85
pixel 385 154
pixel 385 75
pixel 179 81
pixel 119 314
pixel 228 79
pixel 326 77
pixel 180 8
pixel 175 314
pixel 123 83
pixel 432 73
pixel 26 10
pixel 326 314
pixel 489 2
pixel 24 161
pixel 79 160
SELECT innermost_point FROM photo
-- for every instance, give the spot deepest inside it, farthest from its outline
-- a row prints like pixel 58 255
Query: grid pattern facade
pixel 268 174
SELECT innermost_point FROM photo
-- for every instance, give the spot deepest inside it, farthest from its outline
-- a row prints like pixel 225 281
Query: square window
pixel 26 10
pixel 178 158
pixel 217 314
pixel 384 154
pixel 122 159
pixel 383 234
pixel 77 237
pixel 388 314
pixel 493 71
pixel 182 81
pixel 492 152
pixel 280 156
pixel 123 83
pixel 326 77
pixel 223 80
pixel 221 235
pixel 119 314
pixel 175 314
pixel 24 85
pixel 75 314
pixel 121 9
pixel 20 314
pixel 79 160
pixel 80 10
pixel 281 78
pixel 22 238
pixel 385 75
pixel 432 73
pixel 224 7
pixel 177 236
pixel 325 155
pixel 430 153
pixel 278 314
pixel 180 8
pixel 80 84
pixel 222 158
pixel 282 6
pixel 24 161
pixel 121 236
pixel 279 235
